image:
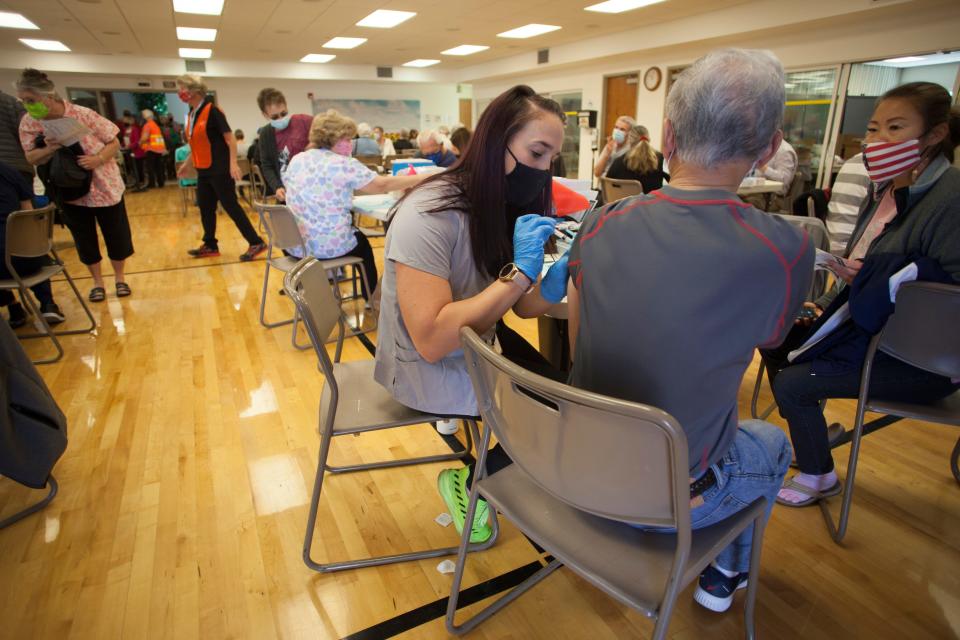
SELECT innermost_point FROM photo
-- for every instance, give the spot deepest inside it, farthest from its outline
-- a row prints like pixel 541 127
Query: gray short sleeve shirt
pixel 438 244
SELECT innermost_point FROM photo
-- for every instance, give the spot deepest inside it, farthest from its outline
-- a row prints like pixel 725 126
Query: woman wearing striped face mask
pixel 913 211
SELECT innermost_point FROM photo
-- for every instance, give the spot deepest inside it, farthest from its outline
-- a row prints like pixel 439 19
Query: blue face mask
pixel 280 124
pixel 435 157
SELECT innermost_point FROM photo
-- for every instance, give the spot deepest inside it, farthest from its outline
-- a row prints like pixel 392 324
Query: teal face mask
pixel 37 110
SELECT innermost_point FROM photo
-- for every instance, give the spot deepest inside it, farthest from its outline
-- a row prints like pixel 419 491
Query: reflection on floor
pixel 192 451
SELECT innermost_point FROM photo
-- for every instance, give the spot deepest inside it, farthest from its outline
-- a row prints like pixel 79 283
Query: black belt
pixel 704 482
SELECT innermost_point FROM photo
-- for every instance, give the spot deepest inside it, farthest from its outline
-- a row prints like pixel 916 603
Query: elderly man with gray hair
pixel 670 293
pixel 432 148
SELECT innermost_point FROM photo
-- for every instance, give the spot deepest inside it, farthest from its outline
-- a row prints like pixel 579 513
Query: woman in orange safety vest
pixel 151 141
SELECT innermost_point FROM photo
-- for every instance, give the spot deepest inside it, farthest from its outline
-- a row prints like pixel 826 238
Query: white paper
pixel 446 566
pixel 828 262
pixel 65 131
pixel 443 519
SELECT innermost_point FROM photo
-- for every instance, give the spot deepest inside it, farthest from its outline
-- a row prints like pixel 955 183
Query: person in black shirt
pixel 213 152
pixel 642 163
pixel 15 195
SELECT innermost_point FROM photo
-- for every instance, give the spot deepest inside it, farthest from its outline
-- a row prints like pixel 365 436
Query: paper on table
pixel 65 131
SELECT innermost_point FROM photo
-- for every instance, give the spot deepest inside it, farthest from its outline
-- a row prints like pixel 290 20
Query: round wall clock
pixel 651 79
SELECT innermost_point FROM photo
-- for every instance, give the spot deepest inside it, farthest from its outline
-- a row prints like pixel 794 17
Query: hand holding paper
pixel 844 269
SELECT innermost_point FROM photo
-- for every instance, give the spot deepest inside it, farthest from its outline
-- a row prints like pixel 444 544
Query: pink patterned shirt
pixel 106 187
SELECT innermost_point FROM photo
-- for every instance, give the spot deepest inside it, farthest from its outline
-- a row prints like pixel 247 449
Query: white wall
pixel 943 74
pixel 820 43
pixel 238 96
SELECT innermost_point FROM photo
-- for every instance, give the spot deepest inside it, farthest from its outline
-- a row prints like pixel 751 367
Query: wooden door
pixel 620 99
pixel 466 112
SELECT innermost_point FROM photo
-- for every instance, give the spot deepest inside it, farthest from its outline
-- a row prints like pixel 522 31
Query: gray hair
pixel 727 105
pixel 429 134
pixel 364 130
pixel 630 121
pixel 37 82
pixel 147 114
pixel 192 83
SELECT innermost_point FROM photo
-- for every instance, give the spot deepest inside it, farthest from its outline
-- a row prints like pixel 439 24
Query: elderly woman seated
pixel 320 183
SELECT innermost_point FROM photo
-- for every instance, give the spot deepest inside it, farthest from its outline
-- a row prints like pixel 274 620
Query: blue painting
pixel 392 115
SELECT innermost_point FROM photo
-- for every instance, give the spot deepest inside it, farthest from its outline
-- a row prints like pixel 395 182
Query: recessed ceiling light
pixel 619 6
pixel 203 7
pixel 344 43
pixel 906 59
pixel 15 21
pixel 385 19
pixel 196 34
pixel 318 57
pixel 45 45
pixel 528 31
pixel 465 50
pixel 420 62
pixel 195 54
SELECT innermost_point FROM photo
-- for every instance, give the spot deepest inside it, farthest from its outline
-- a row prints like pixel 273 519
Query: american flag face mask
pixel 887 160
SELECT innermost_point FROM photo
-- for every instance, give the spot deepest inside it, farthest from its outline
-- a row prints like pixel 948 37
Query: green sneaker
pixel 452 484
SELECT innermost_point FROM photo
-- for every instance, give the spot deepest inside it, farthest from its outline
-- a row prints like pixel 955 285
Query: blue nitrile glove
pixel 553 287
pixel 530 233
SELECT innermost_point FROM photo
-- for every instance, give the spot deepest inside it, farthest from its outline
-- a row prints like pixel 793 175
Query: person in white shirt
pixel 847 196
pixel 782 167
pixel 385 143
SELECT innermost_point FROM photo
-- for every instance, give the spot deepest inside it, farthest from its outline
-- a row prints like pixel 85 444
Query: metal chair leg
pixel 374 561
pixel 955 461
pixel 753 581
pixel 20 515
pixel 406 462
pixel 756 396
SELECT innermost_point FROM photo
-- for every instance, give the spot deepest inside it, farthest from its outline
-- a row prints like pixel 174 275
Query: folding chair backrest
pixel 612 458
pixel 281 226
pixel 30 233
pixel 308 287
pixel 244 165
pixel 821 240
pixel 258 182
pixel 923 330
pixel 614 190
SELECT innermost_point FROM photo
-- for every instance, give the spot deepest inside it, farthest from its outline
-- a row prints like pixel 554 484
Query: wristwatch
pixel 510 273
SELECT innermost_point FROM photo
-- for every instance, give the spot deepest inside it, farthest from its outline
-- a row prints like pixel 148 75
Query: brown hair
pixel 269 96
pixel 933 103
pixel 479 178
pixel 641 157
pixel 327 129
pixel 192 83
pixel 460 139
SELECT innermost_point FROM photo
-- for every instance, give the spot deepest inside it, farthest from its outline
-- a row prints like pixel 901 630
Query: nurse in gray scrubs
pixel 464 247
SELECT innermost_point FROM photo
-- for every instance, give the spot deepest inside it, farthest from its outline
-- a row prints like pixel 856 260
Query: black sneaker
pixel 251 253
pixel 18 315
pixel 204 251
pixel 51 313
pixel 715 590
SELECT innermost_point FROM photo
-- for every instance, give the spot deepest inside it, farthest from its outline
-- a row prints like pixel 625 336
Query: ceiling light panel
pixel 195 54
pixel 318 58
pixel 15 21
pixel 196 34
pixel 465 50
pixel 344 43
pixel 420 62
pixel 202 7
pixel 905 59
pixel 385 19
pixel 45 45
pixel 528 31
pixel 619 6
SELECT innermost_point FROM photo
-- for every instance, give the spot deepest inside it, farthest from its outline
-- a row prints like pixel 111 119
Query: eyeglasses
pixel 277 116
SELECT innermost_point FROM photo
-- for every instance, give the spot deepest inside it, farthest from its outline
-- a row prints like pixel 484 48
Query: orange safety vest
pixel 151 138
pixel 198 138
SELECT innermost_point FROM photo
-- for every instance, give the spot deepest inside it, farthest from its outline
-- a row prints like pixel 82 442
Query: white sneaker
pixel 447 427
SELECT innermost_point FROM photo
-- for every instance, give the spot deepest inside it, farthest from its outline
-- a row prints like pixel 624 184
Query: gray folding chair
pixel 245 187
pixel 821 240
pixel 284 234
pixel 30 235
pixel 614 190
pixel 586 467
pixel 922 332
pixel 352 402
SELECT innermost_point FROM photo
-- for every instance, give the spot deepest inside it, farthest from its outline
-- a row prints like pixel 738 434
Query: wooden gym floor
pixel 184 489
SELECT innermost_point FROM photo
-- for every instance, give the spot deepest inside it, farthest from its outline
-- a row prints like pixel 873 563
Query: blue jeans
pixel 753 467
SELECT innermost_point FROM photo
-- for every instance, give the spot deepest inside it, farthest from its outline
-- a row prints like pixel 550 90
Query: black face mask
pixel 525 184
